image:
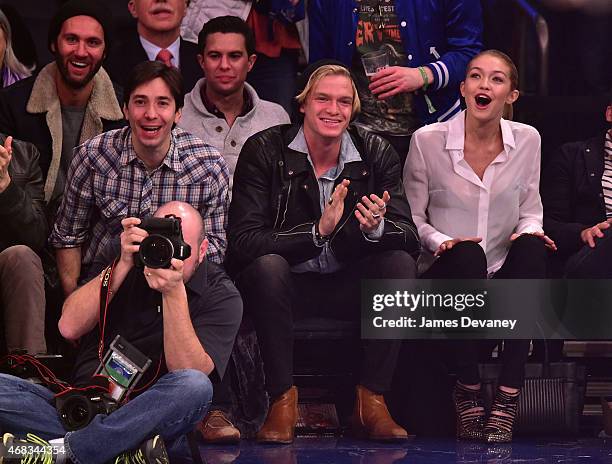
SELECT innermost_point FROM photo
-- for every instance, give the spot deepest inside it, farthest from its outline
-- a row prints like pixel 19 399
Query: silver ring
pixel 384 205
pixel 375 216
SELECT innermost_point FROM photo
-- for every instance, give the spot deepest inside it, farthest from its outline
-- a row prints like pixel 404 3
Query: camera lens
pixel 156 251
pixel 79 414
pixel 76 413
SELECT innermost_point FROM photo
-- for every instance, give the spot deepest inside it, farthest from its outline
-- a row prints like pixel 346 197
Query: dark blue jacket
pixel 442 35
pixel 572 193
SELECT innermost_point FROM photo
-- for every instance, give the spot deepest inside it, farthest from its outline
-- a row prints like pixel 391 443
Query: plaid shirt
pixel 108 182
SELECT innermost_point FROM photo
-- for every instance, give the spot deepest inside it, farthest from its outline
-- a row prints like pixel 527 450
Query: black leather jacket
pixel 22 204
pixel 275 201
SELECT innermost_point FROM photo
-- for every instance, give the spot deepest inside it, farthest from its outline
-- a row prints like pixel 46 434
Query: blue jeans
pixel 171 408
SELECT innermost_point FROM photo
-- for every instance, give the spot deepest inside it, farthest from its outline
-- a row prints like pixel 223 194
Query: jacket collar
pixel 102 105
pixel 103 100
pixel 297 164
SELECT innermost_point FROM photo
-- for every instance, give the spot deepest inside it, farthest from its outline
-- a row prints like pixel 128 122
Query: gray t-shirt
pixel 72 121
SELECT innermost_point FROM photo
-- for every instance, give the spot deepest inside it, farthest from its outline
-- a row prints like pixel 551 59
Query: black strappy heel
pixel 499 427
pixel 470 413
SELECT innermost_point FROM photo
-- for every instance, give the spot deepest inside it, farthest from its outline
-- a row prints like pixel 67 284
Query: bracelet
pixel 319 240
pixel 425 78
pixel 430 106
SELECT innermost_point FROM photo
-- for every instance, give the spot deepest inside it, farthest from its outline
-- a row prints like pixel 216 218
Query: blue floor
pixel 415 451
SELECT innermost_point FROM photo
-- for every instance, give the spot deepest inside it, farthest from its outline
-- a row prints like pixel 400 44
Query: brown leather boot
pixel 217 428
pixel 279 426
pixel 371 418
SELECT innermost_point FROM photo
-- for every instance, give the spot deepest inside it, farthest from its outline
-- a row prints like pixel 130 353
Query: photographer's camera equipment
pixel 77 407
pixel 124 366
pixel 119 371
pixel 116 376
pixel 164 242
pixel 33 369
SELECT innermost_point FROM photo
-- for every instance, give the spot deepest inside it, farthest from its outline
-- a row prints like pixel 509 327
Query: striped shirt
pixel 108 182
pixel 606 178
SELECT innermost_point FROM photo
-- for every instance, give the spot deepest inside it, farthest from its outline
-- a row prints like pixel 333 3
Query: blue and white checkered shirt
pixel 108 182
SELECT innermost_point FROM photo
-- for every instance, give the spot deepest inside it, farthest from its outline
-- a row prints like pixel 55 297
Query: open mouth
pixel 151 130
pixel 161 11
pixel 482 100
pixel 78 64
pixel 330 122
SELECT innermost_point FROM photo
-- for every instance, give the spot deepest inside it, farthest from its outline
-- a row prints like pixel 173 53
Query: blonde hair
pixel 10 60
pixel 329 70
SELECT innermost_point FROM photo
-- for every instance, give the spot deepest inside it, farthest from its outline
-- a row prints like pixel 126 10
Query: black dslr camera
pixel 164 242
pixel 121 369
pixel 77 408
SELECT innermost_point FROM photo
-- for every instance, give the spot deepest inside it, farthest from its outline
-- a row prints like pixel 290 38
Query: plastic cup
pixel 374 62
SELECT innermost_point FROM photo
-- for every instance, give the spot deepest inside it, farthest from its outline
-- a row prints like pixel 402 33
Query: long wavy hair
pixel 10 60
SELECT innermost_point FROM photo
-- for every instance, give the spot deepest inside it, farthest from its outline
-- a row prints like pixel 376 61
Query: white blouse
pixel 448 200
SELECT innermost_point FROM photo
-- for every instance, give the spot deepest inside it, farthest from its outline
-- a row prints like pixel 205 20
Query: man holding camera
pixel 183 317
pixel 134 170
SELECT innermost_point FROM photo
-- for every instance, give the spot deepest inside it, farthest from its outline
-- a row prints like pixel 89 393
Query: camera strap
pixel 105 291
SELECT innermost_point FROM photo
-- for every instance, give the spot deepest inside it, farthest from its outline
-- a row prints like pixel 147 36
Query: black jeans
pixel 466 260
pixel 274 297
pixel 592 263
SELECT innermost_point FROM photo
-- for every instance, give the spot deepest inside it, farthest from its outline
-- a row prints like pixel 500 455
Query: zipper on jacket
pixel 341 226
pixel 278 207
pixel 403 232
pixel 289 232
pixel 286 207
